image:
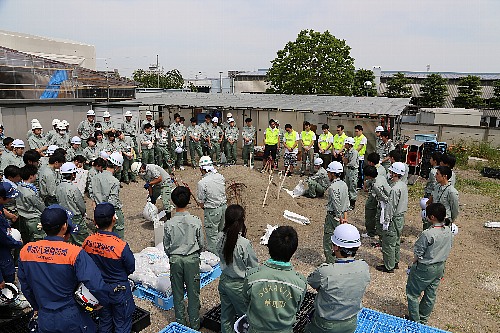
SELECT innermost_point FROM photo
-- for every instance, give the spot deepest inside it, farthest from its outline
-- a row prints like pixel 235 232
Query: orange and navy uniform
pixel 116 261
pixel 7 243
pixel 49 271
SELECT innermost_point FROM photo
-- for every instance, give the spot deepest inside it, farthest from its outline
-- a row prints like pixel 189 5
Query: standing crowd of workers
pixel 40 198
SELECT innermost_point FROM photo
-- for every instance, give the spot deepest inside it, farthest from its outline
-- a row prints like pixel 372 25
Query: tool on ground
pixel 267 190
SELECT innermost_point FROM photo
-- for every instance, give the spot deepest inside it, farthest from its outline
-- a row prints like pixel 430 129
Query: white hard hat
pixel 51 149
pixel 229 115
pixel 61 126
pixel 230 120
pixel 128 114
pixel 55 122
pixel 116 158
pixel 454 229
pixel 136 167
pixel 8 294
pixel 178 150
pixel 398 168
pixel 277 121
pixel 318 161
pixel 76 140
pixel 349 140
pixel 106 114
pixel 104 155
pixel 335 167
pixel 379 129
pixel 205 161
pixel 347 236
pixel 14 233
pixel 90 113
pixel 149 113
pixel 68 167
pixel 65 122
pixel 85 298
pixel 215 119
pixel 423 202
pixel 34 121
pixel 18 143
pixel 35 126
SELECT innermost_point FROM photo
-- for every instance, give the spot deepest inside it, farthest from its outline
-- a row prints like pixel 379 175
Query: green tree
pixel 397 87
pixel 360 77
pixel 315 63
pixel 168 80
pixel 469 93
pixel 433 91
pixel 495 100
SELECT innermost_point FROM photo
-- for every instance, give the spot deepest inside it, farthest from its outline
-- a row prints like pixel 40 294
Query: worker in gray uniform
pixel 318 183
pixel 211 193
pixel 351 164
pixel 70 197
pixel 430 252
pixel 236 256
pixel 340 285
pixel 37 140
pixel 146 141
pixel 194 133
pixel 395 156
pixel 445 194
pixel 206 131
pixel 216 137
pixel 52 132
pixel 75 149
pixel 394 218
pixel 336 207
pixel 158 182
pixel 16 157
pixel 386 147
pixel 49 179
pixel 86 128
pixel 183 241
pixel 107 125
pixel 431 184
pixel 106 188
pixel 274 291
pixel 231 134
pixel 248 135
pixel 148 120
pixel 378 141
pixel 378 194
pixel 178 133
pixel 129 128
pixel 162 153
pixel 61 138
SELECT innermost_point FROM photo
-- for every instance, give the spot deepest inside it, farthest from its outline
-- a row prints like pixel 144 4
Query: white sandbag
pixel 204 267
pixel 299 190
pixel 296 217
pixel 161 268
pixel 491 224
pixel 159 233
pixel 81 179
pixel 149 280
pixel 163 284
pixel 150 212
pixel 269 230
pixel 209 258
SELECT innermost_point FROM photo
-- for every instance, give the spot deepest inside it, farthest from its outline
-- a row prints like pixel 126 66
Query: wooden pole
pixel 267 190
pixel 283 180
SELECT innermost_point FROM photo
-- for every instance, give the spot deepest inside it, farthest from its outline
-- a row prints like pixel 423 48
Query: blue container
pixel 177 328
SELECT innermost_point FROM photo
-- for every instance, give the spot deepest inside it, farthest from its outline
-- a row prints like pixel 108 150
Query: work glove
pixel 146 186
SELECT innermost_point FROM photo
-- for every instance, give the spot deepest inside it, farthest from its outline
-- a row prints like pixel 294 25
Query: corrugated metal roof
pixel 445 75
pixel 312 103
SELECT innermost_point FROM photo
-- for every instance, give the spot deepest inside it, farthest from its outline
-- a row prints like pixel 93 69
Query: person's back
pixel 213 189
pixel 274 290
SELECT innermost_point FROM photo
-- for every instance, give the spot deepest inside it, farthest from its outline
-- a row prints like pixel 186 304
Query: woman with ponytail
pixel 431 250
pixel 236 256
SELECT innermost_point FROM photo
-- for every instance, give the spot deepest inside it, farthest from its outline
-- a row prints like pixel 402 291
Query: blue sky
pixel 211 36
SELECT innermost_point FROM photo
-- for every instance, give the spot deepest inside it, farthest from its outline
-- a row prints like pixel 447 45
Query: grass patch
pixel 478 186
pixel 462 149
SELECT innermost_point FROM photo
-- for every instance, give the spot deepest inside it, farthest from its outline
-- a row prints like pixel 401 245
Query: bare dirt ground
pixel 468 297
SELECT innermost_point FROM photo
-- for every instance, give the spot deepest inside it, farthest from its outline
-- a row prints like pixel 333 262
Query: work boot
pixel 352 204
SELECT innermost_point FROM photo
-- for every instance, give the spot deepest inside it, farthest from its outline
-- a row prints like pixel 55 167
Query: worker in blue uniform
pixel 50 271
pixel 116 262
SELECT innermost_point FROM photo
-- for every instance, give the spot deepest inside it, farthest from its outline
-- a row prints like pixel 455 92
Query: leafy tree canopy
pixel 168 80
pixel 315 63
pixel 397 87
pixel 433 91
pixel 469 93
pixel 362 76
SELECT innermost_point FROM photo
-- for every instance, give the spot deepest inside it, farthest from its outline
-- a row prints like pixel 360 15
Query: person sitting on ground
pixel 318 183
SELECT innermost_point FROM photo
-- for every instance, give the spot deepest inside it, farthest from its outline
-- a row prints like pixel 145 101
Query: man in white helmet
pixel 106 188
pixel 194 133
pixel 178 133
pixel 158 182
pixel 30 129
pixel 206 129
pixel 318 183
pixel 129 129
pixel 61 139
pixel 16 158
pixel 107 124
pixel 75 149
pixel 336 207
pixel 351 165
pixel 37 140
pixel 148 120
pixel 231 134
pixel 378 140
pixel 69 196
pixel 211 195
pixel 340 285
pixel 146 141
pixel 53 131
pixel 86 128
pixel 394 218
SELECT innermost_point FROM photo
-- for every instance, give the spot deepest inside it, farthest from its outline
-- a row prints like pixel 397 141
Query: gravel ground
pixel 468 297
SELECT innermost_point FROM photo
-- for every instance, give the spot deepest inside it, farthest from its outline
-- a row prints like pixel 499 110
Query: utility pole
pixel 157 72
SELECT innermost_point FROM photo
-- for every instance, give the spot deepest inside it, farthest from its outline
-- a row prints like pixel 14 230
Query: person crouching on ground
pixel 318 183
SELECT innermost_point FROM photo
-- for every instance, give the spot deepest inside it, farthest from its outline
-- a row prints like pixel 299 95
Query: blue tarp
pixel 52 89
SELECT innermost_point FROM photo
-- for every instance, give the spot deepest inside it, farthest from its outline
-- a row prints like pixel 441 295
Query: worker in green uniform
pixel 216 137
pixel 378 141
pixel 50 179
pixel 29 206
pixel 341 286
pixel 431 250
pixel 445 194
pixel 385 148
pixel 14 158
pixel 336 207
pixel 434 161
pixel 236 256
pixel 75 149
pixel 106 188
pixel 146 141
pixel 178 133
pixel 211 193
pixel 162 151
pixel 394 218
pixel 183 241
pixel 395 156
pixel 318 183
pixel 194 133
pixel 37 140
pixel 70 197
pixel 248 135
pixel 449 160
pixel 61 139
pixel 274 290
pixel 158 182
pixel 351 164
pixel 231 134
pixel 378 193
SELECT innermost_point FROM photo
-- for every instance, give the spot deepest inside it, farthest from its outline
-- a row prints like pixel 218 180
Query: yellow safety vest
pixel 323 140
pixel 338 141
pixel 272 136
pixel 290 138
pixel 357 141
pixel 307 137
